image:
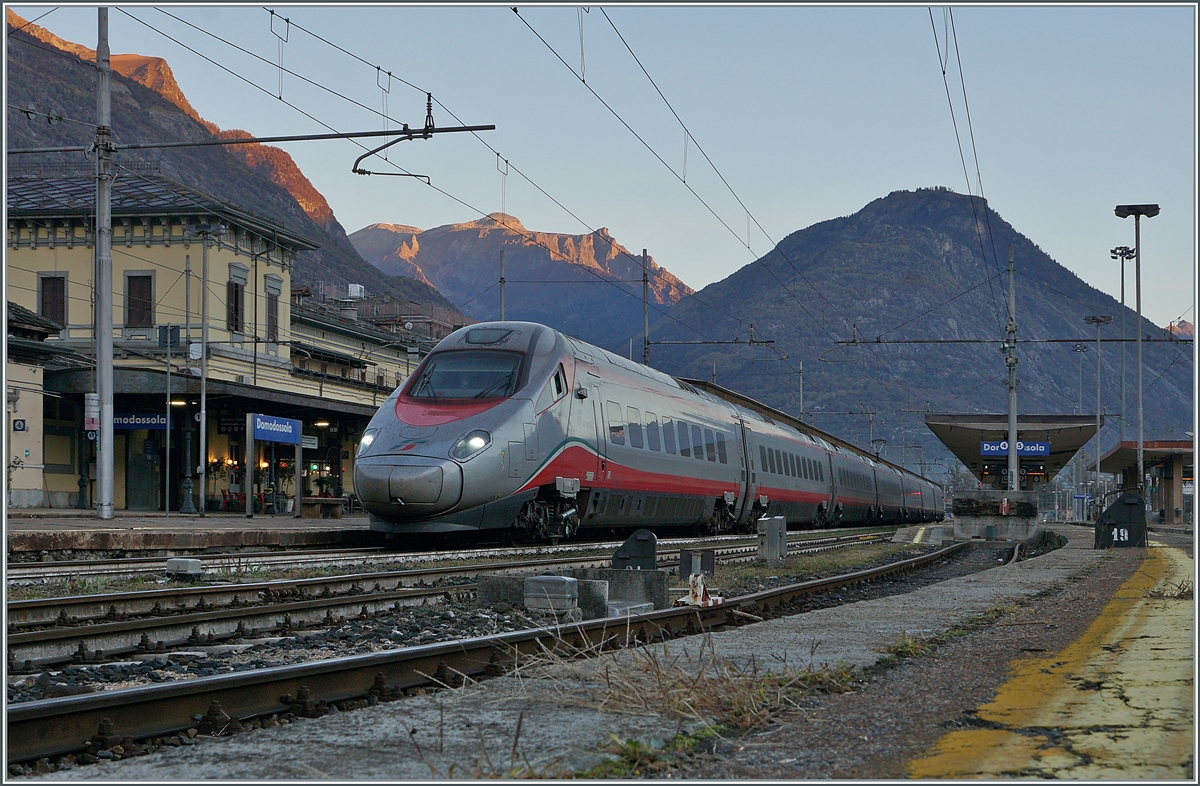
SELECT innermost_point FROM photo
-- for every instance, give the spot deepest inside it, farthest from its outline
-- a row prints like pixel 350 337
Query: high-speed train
pixel 515 425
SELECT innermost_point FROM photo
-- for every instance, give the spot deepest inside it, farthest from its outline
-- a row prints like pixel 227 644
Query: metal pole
pixel 646 315
pixel 1137 267
pixel 104 285
pixel 801 391
pixel 502 285
pixel 1014 461
pixel 1098 324
pixel 203 468
pixel 248 472
pixel 167 439
pixel 1123 259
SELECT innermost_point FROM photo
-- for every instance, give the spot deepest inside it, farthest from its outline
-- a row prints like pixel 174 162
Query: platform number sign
pixel 1120 534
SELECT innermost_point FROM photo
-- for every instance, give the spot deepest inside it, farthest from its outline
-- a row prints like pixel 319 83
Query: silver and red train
pixel 515 425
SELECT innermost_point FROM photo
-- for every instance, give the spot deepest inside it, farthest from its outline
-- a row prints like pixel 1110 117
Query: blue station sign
pixel 153 421
pixel 1000 448
pixel 272 429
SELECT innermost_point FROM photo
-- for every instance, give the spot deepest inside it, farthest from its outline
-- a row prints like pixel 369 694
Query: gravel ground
pixel 411 626
pixel 904 709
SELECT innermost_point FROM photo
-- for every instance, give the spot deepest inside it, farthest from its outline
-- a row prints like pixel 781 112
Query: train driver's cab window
pixel 635 427
pixel 652 439
pixel 468 374
pixel 555 389
pixel 616 424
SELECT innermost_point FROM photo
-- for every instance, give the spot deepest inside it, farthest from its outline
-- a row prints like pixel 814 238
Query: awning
pixel 962 434
pixel 326 355
pixel 1123 455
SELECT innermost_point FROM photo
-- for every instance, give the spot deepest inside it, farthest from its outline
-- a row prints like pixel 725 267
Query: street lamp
pixel 1098 321
pixel 205 232
pixel 1082 350
pixel 1124 253
pixel 1137 211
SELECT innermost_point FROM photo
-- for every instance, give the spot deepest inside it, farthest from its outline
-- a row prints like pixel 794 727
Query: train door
pixel 749 474
pixel 601 434
pixel 584 424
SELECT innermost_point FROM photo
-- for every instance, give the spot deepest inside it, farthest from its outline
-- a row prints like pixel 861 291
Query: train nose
pixel 407 486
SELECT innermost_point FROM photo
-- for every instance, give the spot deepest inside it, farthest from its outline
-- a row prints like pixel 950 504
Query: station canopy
pixel 964 433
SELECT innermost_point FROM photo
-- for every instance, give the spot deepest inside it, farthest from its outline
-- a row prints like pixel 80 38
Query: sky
pixel 806 113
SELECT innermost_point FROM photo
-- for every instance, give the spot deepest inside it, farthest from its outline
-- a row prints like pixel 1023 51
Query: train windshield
pixel 468 374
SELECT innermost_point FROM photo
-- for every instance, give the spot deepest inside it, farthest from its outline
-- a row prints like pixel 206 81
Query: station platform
pixel 79 533
pixel 1115 703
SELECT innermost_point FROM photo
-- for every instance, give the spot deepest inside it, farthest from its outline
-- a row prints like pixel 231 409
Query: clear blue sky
pixel 808 112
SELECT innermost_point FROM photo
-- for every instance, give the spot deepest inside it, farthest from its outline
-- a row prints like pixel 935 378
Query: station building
pixel 270 350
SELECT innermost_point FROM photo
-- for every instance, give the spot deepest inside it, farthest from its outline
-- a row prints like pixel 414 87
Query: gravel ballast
pixel 550 725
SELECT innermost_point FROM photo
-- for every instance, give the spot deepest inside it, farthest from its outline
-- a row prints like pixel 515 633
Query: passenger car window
pixel 697 442
pixel 762 458
pixel 652 441
pixel 616 424
pixel 635 427
pixel 721 454
pixel 710 444
pixel 668 435
pixel 684 444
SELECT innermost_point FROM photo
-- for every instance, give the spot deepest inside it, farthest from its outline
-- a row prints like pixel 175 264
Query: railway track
pixel 95 628
pixel 241 563
pixel 57 726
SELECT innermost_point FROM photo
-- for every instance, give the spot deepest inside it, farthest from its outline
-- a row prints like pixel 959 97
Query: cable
pixel 962 157
pixel 611 243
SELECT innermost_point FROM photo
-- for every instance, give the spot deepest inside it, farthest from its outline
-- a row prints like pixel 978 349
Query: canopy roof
pixel 962 433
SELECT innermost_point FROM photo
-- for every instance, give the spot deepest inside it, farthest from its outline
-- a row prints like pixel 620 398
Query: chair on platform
pixel 225 497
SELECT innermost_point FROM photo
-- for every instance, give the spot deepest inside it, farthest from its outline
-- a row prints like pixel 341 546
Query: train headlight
pixel 364 444
pixel 471 444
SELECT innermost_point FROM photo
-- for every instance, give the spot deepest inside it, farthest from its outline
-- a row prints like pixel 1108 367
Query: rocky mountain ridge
pixel 584 284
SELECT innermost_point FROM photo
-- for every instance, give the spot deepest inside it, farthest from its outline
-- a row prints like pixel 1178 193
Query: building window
pixel 53 298
pixel 139 301
pixel 272 317
pixel 235 307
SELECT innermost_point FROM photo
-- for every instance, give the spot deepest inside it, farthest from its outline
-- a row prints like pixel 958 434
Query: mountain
pixel 58 77
pixel 925 266
pixel 1182 329
pixel 586 285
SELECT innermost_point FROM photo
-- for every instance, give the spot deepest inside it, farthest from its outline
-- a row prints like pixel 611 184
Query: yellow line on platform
pixel 1117 703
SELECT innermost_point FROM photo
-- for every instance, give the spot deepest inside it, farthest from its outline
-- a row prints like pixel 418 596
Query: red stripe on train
pixel 575 462
pixel 416 413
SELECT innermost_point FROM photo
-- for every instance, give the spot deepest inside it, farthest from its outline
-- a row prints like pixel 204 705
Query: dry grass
pixel 744 577
pixel 1174 590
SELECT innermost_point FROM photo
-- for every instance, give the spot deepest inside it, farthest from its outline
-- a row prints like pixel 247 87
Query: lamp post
pixel 1098 321
pixel 1137 211
pixel 1082 350
pixel 1124 253
pixel 204 232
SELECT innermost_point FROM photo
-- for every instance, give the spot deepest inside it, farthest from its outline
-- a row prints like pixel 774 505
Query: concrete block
pixel 643 586
pixel 181 567
pixel 553 593
pixel 492 589
pixel 627 608
pixel 593 598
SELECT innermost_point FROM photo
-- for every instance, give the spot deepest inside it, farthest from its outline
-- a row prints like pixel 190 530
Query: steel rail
pixel 79 609
pixel 280 607
pixel 51 727
pixel 242 562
